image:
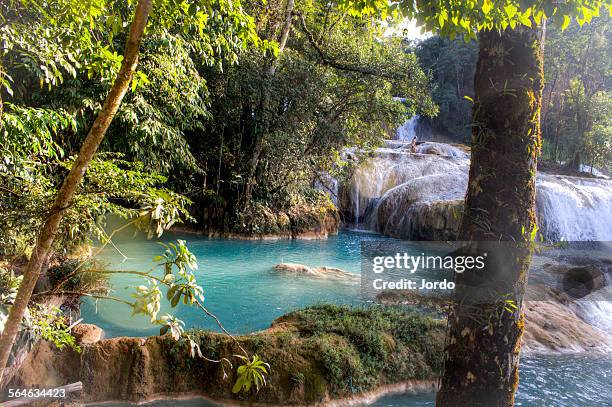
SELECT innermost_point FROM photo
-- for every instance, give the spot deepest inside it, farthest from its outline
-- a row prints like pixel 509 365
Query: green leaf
pixel 510 10
pixel 238 385
pixel 175 300
pixel 566 22
pixel 487 6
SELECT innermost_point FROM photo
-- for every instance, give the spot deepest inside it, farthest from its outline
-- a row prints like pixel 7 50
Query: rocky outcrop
pixel 578 281
pixel 317 355
pixel 424 208
pixel 390 168
pixel 437 220
pixel 260 222
pixel 317 272
pixel 301 222
pixel 552 325
pixel 87 334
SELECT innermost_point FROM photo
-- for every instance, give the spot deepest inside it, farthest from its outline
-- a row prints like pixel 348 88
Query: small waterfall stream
pixel 408 130
pixel 573 208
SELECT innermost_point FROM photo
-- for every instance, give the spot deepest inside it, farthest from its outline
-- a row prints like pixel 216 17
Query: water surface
pixel 247 294
pixel 240 284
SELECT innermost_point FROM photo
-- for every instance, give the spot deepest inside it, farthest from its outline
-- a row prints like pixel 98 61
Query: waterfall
pixel 407 130
pixel 357 200
pixel 402 194
pixel 573 208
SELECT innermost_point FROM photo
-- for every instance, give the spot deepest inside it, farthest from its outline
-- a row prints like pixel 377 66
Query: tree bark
pixel 47 233
pixel 484 334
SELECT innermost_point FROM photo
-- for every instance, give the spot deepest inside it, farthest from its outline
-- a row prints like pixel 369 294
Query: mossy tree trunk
pixel 486 322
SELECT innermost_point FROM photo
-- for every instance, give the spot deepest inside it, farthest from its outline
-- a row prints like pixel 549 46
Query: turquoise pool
pixel 240 285
pixel 246 293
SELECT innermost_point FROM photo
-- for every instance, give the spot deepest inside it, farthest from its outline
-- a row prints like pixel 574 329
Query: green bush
pixel 85 279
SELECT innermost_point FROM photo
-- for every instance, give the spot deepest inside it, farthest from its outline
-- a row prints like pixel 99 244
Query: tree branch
pixel 326 60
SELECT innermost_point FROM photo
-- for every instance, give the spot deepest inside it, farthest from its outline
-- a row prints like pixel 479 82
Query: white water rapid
pixel 418 196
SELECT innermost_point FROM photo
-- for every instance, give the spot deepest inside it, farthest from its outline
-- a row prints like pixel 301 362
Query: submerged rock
pixel 320 272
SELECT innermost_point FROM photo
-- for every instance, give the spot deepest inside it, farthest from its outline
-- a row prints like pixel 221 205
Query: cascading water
pixel 392 165
pixel 408 130
pixel 572 208
pixel 395 192
pixel 420 197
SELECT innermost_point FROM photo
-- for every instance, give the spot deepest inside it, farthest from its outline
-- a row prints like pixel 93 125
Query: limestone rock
pixel 87 334
pixel 552 326
pixel 317 272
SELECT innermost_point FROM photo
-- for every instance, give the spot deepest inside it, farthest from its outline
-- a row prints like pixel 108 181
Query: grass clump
pixel 322 352
pixel 360 348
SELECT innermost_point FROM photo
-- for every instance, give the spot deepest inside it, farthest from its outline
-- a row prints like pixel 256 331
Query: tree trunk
pixel 485 329
pixel 47 233
pixel 263 121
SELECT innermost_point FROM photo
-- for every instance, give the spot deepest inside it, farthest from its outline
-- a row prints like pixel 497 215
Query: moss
pixel 320 352
pixel 310 214
pixel 315 387
pixel 354 345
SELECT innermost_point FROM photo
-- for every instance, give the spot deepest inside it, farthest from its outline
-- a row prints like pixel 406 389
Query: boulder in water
pixel 579 282
pixel 441 149
pixel 294 268
pixel 320 272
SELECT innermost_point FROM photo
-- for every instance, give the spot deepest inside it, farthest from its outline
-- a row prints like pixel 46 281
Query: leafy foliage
pixel 41 322
pixel 252 372
pixel 112 186
pixel 575 124
pixel 50 326
pixel 452 65
pixel 466 18
pixel 333 86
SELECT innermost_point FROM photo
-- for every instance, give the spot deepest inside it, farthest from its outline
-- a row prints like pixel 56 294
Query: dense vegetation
pixel 575 111
pixel 337 351
pixel 197 117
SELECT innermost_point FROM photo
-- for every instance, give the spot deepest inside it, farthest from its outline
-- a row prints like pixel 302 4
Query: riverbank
pixel 321 354
pixel 305 223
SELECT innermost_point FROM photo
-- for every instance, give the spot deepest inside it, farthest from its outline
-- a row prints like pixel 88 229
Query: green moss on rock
pixel 318 353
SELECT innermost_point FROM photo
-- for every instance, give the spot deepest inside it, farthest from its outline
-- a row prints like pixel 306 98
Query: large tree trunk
pixel 484 334
pixel 47 233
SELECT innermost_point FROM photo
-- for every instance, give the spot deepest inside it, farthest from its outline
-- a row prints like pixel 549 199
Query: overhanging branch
pixel 326 60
